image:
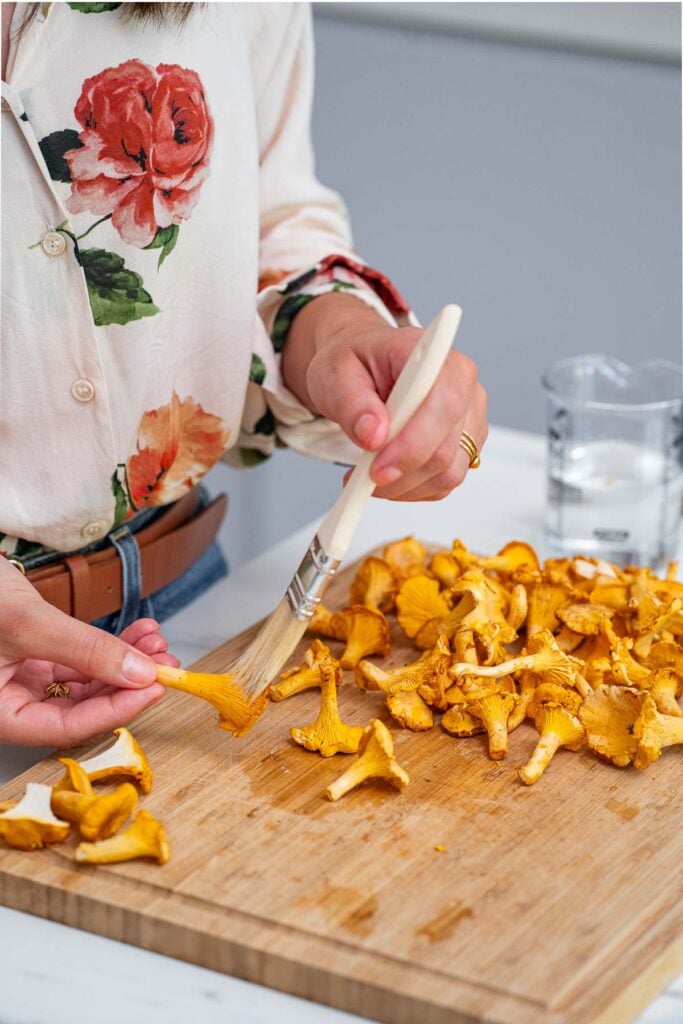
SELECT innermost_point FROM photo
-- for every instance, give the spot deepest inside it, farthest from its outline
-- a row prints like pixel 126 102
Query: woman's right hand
pixel 110 679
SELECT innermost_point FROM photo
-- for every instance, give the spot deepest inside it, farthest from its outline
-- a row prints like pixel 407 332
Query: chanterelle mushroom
pixel 376 761
pixel 493 705
pixel 144 837
pixel 365 630
pixel 558 728
pixel 30 823
pixel 428 671
pixel 609 715
pixel 328 734
pixel 513 556
pixel 406 557
pixel 420 610
pixel 235 714
pixel 375 585
pixel 543 657
pixel 125 758
pixel 653 732
pixel 410 710
pixel 306 677
pixel 97 816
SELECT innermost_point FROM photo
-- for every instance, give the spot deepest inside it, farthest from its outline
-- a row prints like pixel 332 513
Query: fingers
pixel 40 631
pixel 347 394
pixel 426 461
pixel 63 724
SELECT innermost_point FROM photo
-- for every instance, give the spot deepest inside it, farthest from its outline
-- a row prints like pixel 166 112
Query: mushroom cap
pixel 608 715
pixel 654 731
pixel 556 718
pixel 30 823
pixel 420 602
pixel 124 758
pixel 516 554
pixel 75 778
pixel 306 677
pixel 445 568
pixel 546 693
pixel 321 622
pixel 144 837
pixel 409 709
pixel 405 557
pixel 375 585
pixel 584 618
pixel 366 632
pixel 375 761
pixel 459 722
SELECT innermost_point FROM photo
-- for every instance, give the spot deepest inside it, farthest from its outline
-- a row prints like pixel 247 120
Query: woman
pixel 177 287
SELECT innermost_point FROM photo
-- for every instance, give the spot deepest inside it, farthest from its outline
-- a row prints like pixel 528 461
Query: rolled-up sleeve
pixel 305 246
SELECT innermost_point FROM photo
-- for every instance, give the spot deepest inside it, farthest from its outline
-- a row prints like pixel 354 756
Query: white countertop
pixel 49 974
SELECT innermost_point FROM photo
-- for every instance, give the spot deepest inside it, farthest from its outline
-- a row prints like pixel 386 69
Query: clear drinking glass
pixel 615 459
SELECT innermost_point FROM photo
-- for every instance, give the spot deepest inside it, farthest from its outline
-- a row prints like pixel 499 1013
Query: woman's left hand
pixel 348 378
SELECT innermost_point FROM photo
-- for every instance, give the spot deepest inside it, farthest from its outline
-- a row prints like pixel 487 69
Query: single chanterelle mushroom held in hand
pixel 306 677
pixel 144 837
pixel 235 714
pixel 365 630
pixel 97 816
pixel 328 734
pixel 558 728
pixel 609 715
pixel 653 732
pixel 375 585
pixel 376 761
pixel 124 759
pixel 30 824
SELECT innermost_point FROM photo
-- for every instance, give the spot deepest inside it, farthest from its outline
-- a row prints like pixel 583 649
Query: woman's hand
pixel 344 360
pixel 110 679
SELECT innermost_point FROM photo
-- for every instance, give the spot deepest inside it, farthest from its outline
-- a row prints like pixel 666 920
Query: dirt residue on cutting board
pixel 446 921
pixel 345 907
pixel 625 810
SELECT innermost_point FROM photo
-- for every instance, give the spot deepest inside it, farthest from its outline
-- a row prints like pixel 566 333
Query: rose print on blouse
pixel 139 160
pixel 176 445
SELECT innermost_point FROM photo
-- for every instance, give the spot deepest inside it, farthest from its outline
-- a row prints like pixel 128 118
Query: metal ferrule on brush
pixel 310 581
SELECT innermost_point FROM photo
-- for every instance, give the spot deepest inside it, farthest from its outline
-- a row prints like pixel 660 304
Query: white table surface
pixel 52 974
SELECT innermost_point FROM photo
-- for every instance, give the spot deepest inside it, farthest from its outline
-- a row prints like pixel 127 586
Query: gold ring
pixel 471 449
pixel 17 565
pixel 56 690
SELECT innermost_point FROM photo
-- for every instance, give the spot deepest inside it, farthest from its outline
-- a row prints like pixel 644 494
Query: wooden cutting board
pixel 554 904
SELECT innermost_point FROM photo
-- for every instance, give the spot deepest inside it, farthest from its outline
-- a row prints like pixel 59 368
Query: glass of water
pixel 615 459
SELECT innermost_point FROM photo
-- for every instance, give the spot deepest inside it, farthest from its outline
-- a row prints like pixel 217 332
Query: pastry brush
pixel 282 631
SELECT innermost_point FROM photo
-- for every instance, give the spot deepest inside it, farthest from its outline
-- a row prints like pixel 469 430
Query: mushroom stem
pixel 544 752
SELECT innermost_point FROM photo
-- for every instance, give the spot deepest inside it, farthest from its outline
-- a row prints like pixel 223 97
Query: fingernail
pixel 386 475
pixel 365 427
pixel 138 669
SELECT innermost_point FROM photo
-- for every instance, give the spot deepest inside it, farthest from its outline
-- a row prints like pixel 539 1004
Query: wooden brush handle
pixel 414 383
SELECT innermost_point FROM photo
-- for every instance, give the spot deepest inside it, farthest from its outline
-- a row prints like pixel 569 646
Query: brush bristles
pixel 268 651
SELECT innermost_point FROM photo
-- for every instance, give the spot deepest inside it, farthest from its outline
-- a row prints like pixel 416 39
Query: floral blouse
pixel 162 225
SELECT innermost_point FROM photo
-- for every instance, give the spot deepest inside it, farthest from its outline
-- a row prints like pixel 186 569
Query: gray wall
pixel 539 189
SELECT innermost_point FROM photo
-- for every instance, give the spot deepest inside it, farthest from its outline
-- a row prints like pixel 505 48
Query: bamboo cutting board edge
pixel 355 982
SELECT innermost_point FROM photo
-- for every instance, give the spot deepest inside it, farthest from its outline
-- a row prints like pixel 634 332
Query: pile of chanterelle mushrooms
pixel 588 652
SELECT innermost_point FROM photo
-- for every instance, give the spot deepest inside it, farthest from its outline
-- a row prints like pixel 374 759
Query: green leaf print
pixel 165 239
pixel 257 373
pixel 252 456
pixel 53 147
pixel 92 8
pixel 121 503
pixel 283 320
pixel 116 293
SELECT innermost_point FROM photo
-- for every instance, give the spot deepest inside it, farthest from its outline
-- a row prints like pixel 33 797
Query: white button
pixel 83 390
pixel 53 243
pixel 94 529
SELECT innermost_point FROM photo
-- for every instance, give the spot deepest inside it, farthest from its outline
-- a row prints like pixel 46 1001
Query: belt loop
pixel 131 577
pixel 79 573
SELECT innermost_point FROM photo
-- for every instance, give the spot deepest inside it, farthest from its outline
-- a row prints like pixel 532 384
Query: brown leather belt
pixel 88 586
